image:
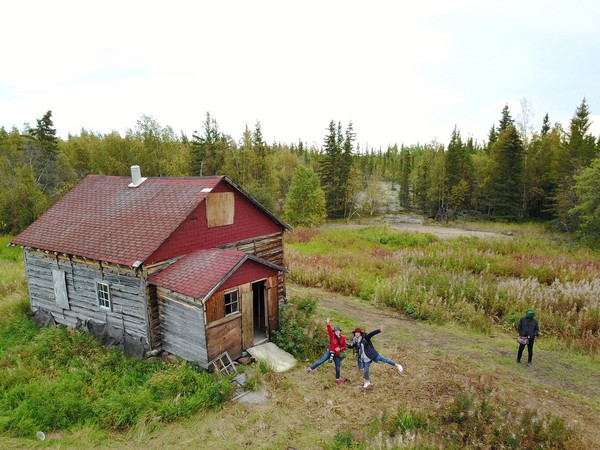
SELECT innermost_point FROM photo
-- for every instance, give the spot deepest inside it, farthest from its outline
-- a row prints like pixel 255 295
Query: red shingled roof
pixel 104 219
pixel 200 272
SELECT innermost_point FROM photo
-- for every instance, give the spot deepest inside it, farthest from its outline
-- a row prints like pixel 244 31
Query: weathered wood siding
pixel 127 291
pixel 182 327
pixel 247 307
pixel 269 248
pixel 272 304
pixel 225 335
pixel 215 307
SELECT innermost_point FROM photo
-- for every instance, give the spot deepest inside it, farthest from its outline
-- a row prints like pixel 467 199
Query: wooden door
pixel 247 319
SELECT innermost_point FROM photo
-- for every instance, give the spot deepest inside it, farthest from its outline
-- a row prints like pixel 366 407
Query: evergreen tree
pixel 404 179
pixel 545 125
pixel 458 173
pixel 506 201
pixel 579 150
pixel 506 120
pixel 492 138
pixel 454 159
pixel 581 144
pixel 305 201
pixel 331 163
pixel 541 172
pixel 263 182
pixel 420 178
pixel 42 151
pixel 587 188
pixel 208 149
pixel 347 173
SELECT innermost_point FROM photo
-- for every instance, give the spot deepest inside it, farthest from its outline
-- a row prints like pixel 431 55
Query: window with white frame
pixel 231 303
pixel 103 295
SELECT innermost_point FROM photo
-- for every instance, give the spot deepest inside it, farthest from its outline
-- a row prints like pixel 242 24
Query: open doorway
pixel 259 304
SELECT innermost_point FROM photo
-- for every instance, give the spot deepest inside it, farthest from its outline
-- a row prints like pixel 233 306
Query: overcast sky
pixel 402 72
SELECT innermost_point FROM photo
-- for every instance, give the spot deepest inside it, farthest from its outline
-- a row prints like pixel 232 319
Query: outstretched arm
pixel 373 333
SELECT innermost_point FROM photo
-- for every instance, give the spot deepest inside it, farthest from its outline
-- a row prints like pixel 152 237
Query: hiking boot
pixel 399 367
pixel 367 384
pixel 338 381
pixel 309 370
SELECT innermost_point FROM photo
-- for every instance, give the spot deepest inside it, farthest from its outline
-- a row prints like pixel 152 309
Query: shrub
pixel 297 332
pixel 59 379
pixel 344 440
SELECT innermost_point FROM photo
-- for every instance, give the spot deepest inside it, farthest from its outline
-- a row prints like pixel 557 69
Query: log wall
pixel 127 292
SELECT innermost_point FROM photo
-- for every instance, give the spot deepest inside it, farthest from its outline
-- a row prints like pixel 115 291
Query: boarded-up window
pixel 60 288
pixel 220 209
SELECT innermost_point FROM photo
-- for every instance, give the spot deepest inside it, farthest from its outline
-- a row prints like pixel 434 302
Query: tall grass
pixel 476 418
pixel 479 283
pixel 61 379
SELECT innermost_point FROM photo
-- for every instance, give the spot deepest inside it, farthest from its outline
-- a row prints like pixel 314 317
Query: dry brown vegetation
pixel 305 411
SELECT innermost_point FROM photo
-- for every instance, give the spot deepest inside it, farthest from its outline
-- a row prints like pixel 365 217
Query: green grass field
pixel 461 387
pixel 484 284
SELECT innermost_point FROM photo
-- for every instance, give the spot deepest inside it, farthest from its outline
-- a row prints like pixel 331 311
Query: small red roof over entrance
pixel 201 272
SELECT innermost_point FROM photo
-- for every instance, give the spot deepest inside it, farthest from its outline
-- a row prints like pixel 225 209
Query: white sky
pixel 402 72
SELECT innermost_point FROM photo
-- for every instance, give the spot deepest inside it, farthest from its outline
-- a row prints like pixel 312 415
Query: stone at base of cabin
pixel 43 318
pixel 246 360
pixel 168 357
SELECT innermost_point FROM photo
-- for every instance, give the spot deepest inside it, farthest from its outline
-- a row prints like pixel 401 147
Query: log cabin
pixel 193 266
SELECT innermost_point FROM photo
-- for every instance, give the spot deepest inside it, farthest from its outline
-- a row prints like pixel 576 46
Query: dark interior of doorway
pixel 259 309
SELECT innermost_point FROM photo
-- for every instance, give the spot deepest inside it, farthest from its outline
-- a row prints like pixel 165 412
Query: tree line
pixel 551 174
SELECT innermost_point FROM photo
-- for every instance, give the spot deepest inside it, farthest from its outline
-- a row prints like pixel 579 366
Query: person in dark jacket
pixel 366 353
pixel 337 344
pixel 528 328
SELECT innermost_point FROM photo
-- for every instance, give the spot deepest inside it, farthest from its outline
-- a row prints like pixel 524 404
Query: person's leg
pixel 366 365
pixel 529 351
pixel 384 359
pixel 367 380
pixel 324 358
pixel 361 364
pixel 338 366
pixel 390 362
pixel 520 352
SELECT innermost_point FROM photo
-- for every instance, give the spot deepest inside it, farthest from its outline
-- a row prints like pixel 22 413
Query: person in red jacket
pixel 337 344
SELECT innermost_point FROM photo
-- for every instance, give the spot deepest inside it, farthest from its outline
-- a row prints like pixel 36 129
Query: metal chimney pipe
pixel 136 176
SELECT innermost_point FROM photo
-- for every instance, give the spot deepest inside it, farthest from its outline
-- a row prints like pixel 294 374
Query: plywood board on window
pixel 60 288
pixel 219 209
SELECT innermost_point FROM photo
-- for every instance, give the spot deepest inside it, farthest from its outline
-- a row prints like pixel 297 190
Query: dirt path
pixel 417 226
pixel 302 410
